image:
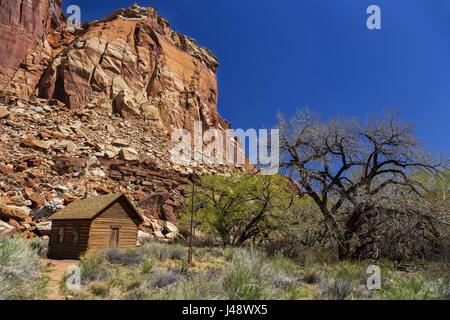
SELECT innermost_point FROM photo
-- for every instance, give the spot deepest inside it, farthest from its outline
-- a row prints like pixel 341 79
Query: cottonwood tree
pixel 239 208
pixel 357 173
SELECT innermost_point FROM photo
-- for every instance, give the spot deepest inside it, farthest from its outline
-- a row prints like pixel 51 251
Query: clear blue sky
pixel 285 54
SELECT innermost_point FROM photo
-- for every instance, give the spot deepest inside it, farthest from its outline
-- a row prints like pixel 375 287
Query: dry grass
pixel 158 271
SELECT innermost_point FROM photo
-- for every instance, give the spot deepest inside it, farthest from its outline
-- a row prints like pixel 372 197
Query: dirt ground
pixel 57 270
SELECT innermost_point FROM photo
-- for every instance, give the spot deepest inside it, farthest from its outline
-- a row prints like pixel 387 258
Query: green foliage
pixel 244 278
pixel 201 286
pixel 284 264
pixel 92 267
pixel 238 208
pixel 237 273
pixel 20 271
pixel 444 287
pixel 18 258
pixel 123 278
pixel 147 266
pixel 411 288
pixel 40 247
pixel 344 282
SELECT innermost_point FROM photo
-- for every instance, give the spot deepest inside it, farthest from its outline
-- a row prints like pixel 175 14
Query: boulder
pixel 63 165
pixel 4 112
pixel 154 201
pixel 6 170
pixel 71 147
pixel 125 105
pixel 169 227
pixel 36 144
pixel 21 214
pixel 171 235
pixel 6 230
pixel 92 162
pixel 158 234
pixel 98 173
pixel 128 154
pixel 143 236
pixel 121 143
pixel 16 225
pixel 110 129
pixel 37 200
pixel 167 213
pixel 111 152
pixel 44 228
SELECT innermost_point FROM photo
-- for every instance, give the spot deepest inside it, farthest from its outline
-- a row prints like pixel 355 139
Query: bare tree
pixel 355 173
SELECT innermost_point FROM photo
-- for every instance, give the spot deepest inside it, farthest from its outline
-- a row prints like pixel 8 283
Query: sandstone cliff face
pixel 31 34
pixel 90 111
pixel 131 63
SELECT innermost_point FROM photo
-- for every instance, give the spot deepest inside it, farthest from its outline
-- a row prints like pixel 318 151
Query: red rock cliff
pixel 30 31
pixel 90 111
pixel 132 62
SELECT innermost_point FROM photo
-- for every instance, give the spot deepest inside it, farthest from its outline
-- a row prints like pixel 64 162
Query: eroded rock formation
pixel 132 63
pixel 90 111
pixel 32 33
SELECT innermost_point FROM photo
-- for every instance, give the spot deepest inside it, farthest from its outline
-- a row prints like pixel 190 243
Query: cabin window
pixel 76 234
pixel 61 235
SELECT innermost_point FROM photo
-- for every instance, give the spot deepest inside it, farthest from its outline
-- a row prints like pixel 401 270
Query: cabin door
pixel 114 240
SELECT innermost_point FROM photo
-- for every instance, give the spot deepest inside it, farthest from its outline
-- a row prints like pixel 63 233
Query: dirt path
pixel 57 270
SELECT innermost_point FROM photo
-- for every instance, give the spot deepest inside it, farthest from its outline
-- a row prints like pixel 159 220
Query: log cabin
pixel 97 223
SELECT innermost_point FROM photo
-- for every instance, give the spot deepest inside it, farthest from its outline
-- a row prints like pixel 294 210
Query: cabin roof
pixel 90 208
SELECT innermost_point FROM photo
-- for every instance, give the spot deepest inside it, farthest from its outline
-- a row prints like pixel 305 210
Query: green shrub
pixel 202 286
pixel 281 272
pixel 40 246
pixel 410 288
pixel 93 267
pixel 282 281
pixel 244 277
pixel 338 289
pixel 99 289
pixel 344 282
pixel 208 252
pixel 147 266
pixel 134 284
pixel 5 286
pixel 444 287
pixel 20 271
pixel 17 258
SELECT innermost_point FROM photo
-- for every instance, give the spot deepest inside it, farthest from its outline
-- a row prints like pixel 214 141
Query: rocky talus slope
pixel 86 112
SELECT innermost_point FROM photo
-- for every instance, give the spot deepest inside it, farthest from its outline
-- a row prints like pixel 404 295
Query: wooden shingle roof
pixel 89 208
